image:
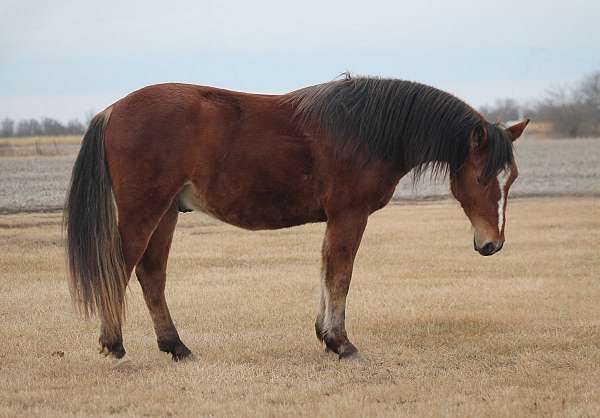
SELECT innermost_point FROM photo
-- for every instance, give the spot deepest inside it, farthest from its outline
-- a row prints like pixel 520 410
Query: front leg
pixel 342 239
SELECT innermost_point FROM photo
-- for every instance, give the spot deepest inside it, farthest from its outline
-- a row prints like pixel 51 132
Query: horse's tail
pixel 97 276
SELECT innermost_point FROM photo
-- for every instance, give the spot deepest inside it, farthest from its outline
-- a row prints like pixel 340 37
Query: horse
pixel 332 152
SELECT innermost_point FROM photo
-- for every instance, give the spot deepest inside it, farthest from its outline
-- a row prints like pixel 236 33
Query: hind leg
pixel 151 272
pixel 137 224
pixel 134 238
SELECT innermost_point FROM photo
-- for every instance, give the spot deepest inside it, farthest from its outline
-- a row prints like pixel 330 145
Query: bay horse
pixel 330 153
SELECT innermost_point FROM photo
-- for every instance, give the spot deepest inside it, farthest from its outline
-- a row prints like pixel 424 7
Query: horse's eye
pixel 479 181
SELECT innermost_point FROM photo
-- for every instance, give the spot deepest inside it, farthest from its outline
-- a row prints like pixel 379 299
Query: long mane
pixel 402 122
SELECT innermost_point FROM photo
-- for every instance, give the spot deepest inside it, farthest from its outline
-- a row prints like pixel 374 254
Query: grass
pixel 445 331
pixel 39 145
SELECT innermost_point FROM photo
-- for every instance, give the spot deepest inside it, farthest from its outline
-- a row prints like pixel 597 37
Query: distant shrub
pixel 572 111
pixel 42 127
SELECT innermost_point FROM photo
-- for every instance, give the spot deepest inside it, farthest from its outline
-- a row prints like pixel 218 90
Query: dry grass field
pixel 40 146
pixel 445 332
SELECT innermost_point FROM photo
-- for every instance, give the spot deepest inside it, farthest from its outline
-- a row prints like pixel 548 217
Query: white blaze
pixel 502 179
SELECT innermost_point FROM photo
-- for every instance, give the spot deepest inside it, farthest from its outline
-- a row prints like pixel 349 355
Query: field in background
pixel 539 130
pixel 547 168
pixel 445 331
pixel 39 145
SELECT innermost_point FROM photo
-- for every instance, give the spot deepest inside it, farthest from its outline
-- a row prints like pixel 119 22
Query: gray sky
pixel 64 58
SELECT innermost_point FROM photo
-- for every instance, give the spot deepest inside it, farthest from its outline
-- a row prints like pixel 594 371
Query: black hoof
pixel 182 353
pixel 177 349
pixel 342 347
pixel 115 350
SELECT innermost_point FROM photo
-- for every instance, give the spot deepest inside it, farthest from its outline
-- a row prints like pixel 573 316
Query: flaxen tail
pixel 97 277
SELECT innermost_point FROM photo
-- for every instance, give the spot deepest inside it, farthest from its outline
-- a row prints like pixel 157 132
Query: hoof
pixel 114 350
pixel 342 347
pixel 347 351
pixel 177 349
pixel 182 353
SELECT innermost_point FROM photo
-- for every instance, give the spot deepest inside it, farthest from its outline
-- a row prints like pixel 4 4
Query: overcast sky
pixel 64 58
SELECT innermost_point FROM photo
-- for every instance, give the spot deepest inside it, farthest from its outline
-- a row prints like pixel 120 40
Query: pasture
pixel 39 146
pixel 445 332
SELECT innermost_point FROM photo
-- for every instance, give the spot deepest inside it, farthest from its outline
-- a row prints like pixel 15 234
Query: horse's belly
pixel 255 206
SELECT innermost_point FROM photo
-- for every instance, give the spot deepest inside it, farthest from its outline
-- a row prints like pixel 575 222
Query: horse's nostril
pixel 487 249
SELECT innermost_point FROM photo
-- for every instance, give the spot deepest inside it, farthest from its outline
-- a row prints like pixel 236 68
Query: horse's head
pixel 481 185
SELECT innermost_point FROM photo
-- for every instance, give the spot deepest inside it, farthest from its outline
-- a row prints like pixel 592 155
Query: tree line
pixel 570 111
pixel 43 126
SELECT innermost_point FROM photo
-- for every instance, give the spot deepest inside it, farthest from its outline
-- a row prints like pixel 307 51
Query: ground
pixel 445 332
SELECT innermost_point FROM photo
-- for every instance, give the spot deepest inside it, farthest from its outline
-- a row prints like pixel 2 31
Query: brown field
pixel 39 145
pixel 445 331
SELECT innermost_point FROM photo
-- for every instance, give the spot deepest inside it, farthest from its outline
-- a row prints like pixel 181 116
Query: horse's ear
pixel 479 138
pixel 515 131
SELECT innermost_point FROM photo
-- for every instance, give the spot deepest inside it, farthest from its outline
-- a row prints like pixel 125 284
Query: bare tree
pixel 589 89
pixel 7 127
pixel 588 92
pixel 75 127
pixel 573 111
pixel 53 127
pixel 502 110
pixel 560 108
pixel 29 127
pixel 46 126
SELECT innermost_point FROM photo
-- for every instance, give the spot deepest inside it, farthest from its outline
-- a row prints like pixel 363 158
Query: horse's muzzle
pixel 488 248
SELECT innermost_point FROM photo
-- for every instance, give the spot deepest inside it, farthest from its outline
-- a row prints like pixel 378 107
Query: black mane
pixel 403 122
